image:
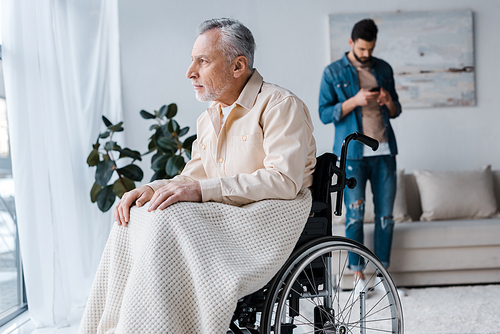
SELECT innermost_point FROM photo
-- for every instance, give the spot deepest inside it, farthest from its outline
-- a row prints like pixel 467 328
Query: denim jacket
pixel 339 83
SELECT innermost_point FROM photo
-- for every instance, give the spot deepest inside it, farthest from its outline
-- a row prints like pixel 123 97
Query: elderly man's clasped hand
pixel 161 198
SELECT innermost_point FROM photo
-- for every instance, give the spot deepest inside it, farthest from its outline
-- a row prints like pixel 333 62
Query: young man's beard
pixel 366 60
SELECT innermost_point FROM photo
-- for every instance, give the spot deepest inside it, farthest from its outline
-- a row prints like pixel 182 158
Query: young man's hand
pixel 364 97
pixel 384 97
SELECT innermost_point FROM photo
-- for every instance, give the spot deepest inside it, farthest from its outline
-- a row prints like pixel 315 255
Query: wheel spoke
pixel 322 305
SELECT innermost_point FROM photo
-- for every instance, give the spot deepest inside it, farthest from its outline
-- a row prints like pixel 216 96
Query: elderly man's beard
pixel 213 93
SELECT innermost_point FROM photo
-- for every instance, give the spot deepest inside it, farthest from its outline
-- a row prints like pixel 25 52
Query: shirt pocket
pixel 342 89
pixel 247 153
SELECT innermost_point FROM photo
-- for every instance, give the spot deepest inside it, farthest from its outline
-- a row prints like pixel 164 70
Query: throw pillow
pixel 456 194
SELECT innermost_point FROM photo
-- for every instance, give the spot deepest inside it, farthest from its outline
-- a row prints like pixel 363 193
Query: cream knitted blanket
pixel 183 269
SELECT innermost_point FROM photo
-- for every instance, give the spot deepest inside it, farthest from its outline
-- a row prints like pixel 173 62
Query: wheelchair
pixel 314 292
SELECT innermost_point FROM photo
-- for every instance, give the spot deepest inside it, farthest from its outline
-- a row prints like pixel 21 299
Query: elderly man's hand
pixel 175 192
pixel 138 196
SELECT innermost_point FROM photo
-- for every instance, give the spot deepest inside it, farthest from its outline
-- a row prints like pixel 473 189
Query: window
pixel 12 294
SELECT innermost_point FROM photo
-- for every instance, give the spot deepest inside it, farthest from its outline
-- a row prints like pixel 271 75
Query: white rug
pixel 452 310
pixel 448 310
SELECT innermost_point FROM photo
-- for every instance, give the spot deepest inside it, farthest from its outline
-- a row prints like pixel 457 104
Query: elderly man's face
pixel 210 72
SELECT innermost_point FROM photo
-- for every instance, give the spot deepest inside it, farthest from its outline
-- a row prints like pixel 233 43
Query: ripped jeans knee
pixel 355 214
pixel 387 222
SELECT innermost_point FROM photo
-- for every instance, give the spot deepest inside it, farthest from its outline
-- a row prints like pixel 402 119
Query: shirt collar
pixel 345 61
pixel 247 99
pixel 248 95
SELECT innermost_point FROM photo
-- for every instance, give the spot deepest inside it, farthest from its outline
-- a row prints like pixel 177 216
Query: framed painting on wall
pixel 431 53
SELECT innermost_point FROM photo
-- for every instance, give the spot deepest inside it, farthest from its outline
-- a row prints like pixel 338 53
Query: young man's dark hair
pixel 365 29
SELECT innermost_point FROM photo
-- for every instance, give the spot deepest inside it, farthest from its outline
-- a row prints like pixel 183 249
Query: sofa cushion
pixel 400 212
pixel 496 186
pixel 447 195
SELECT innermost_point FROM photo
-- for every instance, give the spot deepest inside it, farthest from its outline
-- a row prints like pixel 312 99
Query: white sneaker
pixel 360 286
pixel 379 287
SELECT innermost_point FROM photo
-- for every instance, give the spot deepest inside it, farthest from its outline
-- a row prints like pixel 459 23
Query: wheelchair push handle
pixel 368 141
pixel 342 180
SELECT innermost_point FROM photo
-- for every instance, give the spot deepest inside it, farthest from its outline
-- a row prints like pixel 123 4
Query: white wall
pixel 292 51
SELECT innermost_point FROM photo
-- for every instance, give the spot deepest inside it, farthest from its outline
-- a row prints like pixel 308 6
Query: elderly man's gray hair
pixel 236 39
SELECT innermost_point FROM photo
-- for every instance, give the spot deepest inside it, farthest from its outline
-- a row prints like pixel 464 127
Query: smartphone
pixel 375 89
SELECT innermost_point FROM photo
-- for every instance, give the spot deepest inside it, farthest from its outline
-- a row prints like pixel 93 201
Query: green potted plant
pixel 167 161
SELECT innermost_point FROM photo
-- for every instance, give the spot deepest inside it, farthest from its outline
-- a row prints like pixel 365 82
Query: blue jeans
pixel 381 171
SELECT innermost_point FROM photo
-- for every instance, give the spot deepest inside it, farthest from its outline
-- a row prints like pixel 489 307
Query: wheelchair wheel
pixel 314 293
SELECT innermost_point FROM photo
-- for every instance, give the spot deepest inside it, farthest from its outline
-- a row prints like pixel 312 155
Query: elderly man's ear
pixel 240 66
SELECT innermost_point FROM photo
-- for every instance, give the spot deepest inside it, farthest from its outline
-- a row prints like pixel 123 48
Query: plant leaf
pixel 147 115
pixel 163 111
pixel 163 132
pixel 183 131
pixel 173 126
pixel 94 192
pixel 116 128
pixel 104 172
pixel 167 144
pixel 119 189
pixel 154 127
pixel 172 110
pixel 106 198
pixel 174 166
pixel 126 152
pixel 93 158
pixel 159 161
pixel 104 135
pixel 159 175
pixel 132 172
pixel 106 121
pixel 151 145
pixel 188 143
pixel 110 145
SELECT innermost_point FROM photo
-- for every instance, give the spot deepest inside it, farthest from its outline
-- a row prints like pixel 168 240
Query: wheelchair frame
pixel 316 273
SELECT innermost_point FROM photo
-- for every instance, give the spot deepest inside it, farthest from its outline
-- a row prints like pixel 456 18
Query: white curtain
pixel 62 72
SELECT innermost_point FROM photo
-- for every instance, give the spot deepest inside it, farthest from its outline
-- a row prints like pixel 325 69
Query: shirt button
pixel 345 85
pixel 221 160
pixel 244 138
pixel 338 85
pixel 202 147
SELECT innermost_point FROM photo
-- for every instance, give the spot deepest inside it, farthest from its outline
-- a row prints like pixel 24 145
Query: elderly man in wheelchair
pixel 210 249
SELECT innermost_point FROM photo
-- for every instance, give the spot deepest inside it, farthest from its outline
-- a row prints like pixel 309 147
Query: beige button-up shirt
pixel 264 150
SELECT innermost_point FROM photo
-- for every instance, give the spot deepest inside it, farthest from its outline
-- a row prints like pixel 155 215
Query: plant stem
pixel 116 170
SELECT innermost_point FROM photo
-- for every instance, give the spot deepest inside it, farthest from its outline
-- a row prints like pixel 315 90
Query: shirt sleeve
pixel 330 108
pixel 391 88
pixel 288 143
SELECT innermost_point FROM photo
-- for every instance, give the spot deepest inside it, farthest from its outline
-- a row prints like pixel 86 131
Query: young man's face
pixel 210 72
pixel 362 50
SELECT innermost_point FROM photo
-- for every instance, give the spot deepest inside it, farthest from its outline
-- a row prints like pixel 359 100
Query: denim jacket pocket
pixel 342 89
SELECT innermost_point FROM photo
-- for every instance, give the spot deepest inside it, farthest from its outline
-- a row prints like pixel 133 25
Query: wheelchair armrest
pixel 318 206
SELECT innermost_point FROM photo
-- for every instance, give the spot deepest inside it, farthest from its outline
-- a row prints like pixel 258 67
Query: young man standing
pixel 358 94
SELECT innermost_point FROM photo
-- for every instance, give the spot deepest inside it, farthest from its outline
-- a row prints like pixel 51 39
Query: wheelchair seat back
pixel 319 223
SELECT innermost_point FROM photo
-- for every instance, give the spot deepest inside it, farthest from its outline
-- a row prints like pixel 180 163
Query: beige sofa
pixel 461 250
